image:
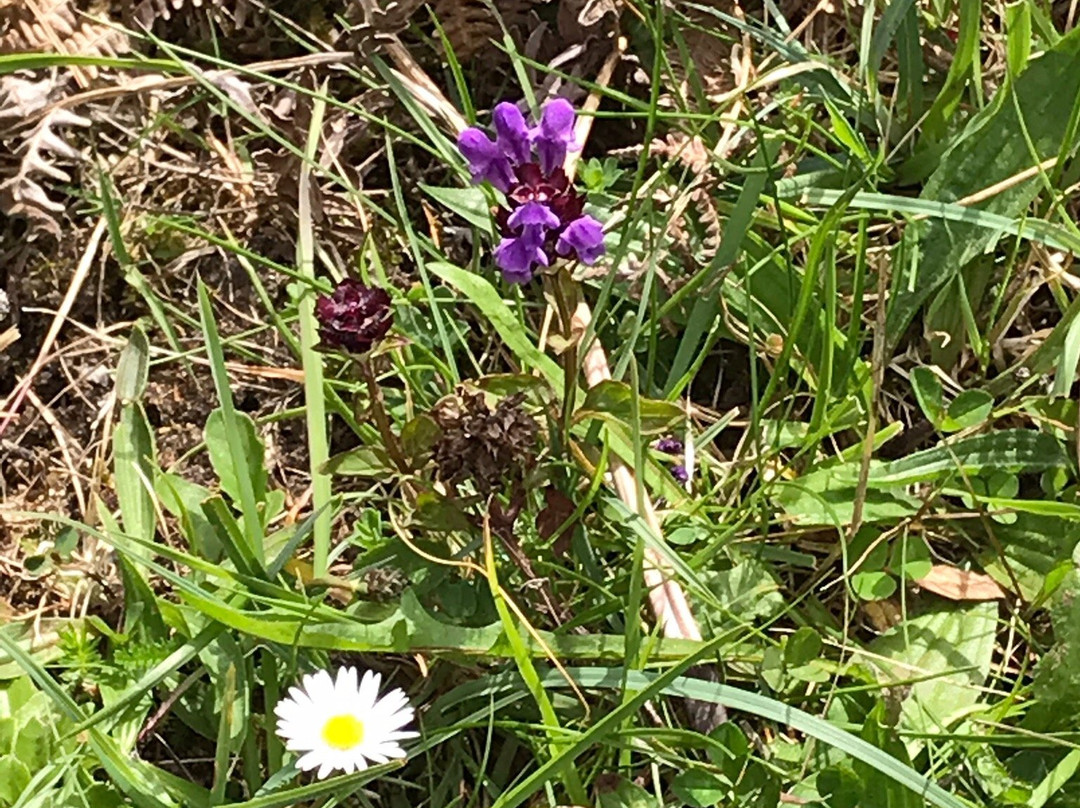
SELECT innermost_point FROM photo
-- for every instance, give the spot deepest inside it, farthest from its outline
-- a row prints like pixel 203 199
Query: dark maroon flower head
pixel 553 191
pixel 354 317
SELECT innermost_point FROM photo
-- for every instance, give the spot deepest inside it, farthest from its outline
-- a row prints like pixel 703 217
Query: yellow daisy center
pixel 343 731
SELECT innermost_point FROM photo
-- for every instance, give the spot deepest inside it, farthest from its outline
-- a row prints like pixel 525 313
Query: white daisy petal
pixel 368 692
pixel 345 686
pixel 401 735
pixel 338 722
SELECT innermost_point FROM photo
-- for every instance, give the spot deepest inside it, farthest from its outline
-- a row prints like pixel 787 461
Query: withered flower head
pixel 490 447
pixel 354 317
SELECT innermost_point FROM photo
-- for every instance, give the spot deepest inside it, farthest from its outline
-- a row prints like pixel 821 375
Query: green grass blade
pixel 248 506
pixel 314 397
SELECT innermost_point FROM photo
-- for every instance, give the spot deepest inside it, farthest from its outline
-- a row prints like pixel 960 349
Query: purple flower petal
pixel 557 119
pixel 516 255
pixel 513 134
pixel 584 236
pixel 486 160
pixel 555 134
pixel 671 446
pixel 533 213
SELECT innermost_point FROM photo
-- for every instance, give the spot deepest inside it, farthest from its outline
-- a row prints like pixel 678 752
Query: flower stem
pixel 565 294
pixel 378 412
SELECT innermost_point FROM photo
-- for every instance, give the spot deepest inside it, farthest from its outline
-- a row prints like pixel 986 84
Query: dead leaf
pixel 577 18
pixel 882 614
pixel 957 584
pixel 8 338
pixel 559 508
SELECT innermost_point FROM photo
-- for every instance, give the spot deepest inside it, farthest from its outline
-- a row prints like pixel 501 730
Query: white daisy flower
pixel 341 724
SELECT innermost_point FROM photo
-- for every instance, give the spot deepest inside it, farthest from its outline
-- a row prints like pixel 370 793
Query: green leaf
pixel 471 204
pixel 825 497
pixel 234 431
pixel 614 401
pixel 230 535
pixel 134 456
pixel 881 790
pixel 949 651
pixel 967 45
pixel 731 697
pixel 135 465
pixel 487 299
pixel 418 437
pixel 928 392
pixel 699 789
pixel 133 367
pixel 364 461
pixel 885 32
pixel 988 152
pixel 1057 675
pixel 802 647
pixel 251 459
pixel 441 513
pixel 748 591
pixel 1034 547
pixel 872 585
pixel 624 794
pixel 14 777
pixel 183 499
pixel 32 741
pixel 969 409
pixel 840 787
pixel 1018 33
pixel 1015 450
pixel 910 557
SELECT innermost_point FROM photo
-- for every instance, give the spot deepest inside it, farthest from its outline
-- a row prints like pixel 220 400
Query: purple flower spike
pixel 533 213
pixel 680 473
pixel 516 255
pixel 486 160
pixel 585 236
pixel 513 134
pixel 554 137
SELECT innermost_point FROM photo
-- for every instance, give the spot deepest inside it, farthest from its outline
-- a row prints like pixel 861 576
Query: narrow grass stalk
pixel 315 410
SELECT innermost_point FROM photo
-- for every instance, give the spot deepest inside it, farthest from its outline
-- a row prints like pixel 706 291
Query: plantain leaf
pixel 988 152
pixel 948 652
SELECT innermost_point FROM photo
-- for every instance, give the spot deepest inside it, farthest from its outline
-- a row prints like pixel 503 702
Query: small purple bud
pixel 486 160
pixel 584 236
pixel 671 446
pixel 554 137
pixel 533 213
pixel 513 134
pixel 516 255
pixel 680 473
pixel 354 317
